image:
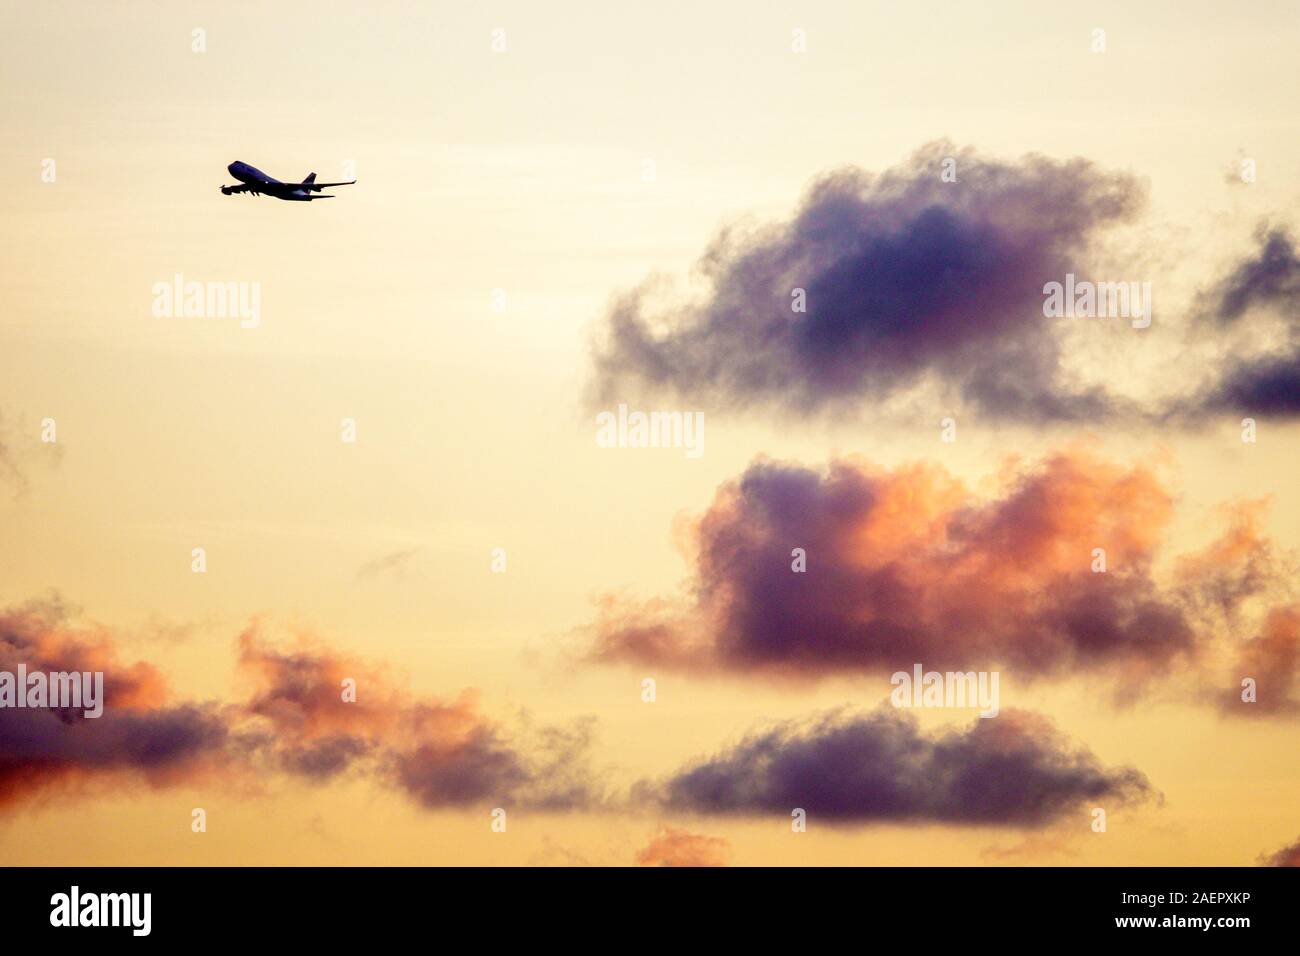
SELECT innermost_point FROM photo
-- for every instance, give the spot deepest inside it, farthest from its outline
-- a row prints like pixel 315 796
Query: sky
pixel 566 208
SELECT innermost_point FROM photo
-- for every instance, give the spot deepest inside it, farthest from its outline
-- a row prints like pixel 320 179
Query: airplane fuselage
pixel 258 182
pixel 253 181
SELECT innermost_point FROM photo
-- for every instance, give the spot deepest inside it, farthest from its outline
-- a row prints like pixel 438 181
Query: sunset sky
pixel 615 209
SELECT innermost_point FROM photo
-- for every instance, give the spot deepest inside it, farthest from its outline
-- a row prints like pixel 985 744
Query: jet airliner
pixel 255 181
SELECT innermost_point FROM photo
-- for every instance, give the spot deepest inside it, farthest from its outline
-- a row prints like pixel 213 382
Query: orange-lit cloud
pixel 672 846
pixel 907 566
pixel 141 736
pixel 438 753
pixel 1272 660
pixel 1288 855
pixel 306 713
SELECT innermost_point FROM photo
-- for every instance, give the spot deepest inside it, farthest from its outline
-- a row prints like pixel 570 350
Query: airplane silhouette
pixel 257 182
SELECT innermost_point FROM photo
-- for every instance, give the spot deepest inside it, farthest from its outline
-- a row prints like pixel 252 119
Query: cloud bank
pixel 292 722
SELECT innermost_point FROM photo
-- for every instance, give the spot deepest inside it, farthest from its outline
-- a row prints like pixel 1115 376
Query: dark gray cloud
pixel 480 768
pixel 547 770
pixel 1267 387
pixel 908 279
pixel 1014 769
pixel 1269 277
pixel 1267 280
pixel 326 757
pixel 41 748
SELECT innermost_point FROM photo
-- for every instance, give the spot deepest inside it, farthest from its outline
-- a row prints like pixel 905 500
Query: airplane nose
pixel 231 168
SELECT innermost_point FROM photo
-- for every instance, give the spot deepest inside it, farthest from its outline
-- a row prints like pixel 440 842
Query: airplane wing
pixel 231 190
pixel 319 186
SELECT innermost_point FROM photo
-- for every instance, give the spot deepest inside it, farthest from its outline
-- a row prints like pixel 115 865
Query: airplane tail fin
pixel 311 178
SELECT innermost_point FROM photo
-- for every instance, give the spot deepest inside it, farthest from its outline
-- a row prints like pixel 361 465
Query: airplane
pixel 255 181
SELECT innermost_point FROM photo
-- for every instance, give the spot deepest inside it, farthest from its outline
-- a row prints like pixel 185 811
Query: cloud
pixel 557 854
pixel 142 735
pixel 439 753
pixel 906 566
pixel 296 704
pixel 1240 564
pixel 290 721
pixel 541 769
pixel 1287 856
pixel 1035 846
pixel 393 562
pixel 1272 660
pixel 672 846
pixel 1269 278
pixel 1265 383
pixel 1264 387
pixel 908 280
pixel 11 471
pixel 1014 770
